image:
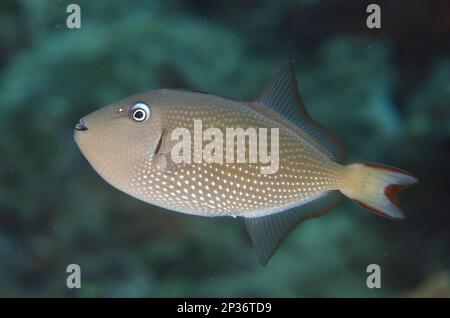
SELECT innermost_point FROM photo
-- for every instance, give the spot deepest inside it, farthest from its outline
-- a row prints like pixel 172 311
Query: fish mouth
pixel 80 126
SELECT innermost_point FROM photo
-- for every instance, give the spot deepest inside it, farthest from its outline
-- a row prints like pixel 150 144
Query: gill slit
pixel 159 143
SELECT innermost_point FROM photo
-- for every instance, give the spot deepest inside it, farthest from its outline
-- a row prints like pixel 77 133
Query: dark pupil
pixel 139 114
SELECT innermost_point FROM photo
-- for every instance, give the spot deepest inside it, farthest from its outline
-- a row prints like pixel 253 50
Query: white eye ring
pixel 140 112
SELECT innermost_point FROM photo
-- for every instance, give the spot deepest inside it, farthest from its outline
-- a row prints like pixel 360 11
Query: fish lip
pixel 80 126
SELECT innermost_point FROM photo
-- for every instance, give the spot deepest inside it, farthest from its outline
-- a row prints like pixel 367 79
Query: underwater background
pixel 385 92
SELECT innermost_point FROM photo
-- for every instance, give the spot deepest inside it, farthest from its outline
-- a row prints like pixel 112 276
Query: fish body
pixel 131 144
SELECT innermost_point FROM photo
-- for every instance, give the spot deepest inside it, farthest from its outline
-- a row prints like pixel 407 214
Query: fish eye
pixel 140 112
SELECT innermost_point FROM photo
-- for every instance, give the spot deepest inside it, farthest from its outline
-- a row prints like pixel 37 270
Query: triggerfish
pixel 138 145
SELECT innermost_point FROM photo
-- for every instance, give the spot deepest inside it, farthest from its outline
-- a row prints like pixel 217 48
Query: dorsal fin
pixel 267 232
pixel 282 97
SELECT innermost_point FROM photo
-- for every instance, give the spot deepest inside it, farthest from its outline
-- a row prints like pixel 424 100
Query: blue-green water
pixel 385 92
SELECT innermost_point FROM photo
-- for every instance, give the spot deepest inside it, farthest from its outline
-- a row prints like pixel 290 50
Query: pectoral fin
pixel 267 232
pixel 161 158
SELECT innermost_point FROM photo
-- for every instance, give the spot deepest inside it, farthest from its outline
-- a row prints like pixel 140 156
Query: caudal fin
pixel 375 187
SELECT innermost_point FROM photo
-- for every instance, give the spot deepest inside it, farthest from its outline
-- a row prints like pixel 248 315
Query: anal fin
pixel 268 232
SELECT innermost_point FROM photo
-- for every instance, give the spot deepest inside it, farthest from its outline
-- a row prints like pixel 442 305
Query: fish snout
pixel 80 125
